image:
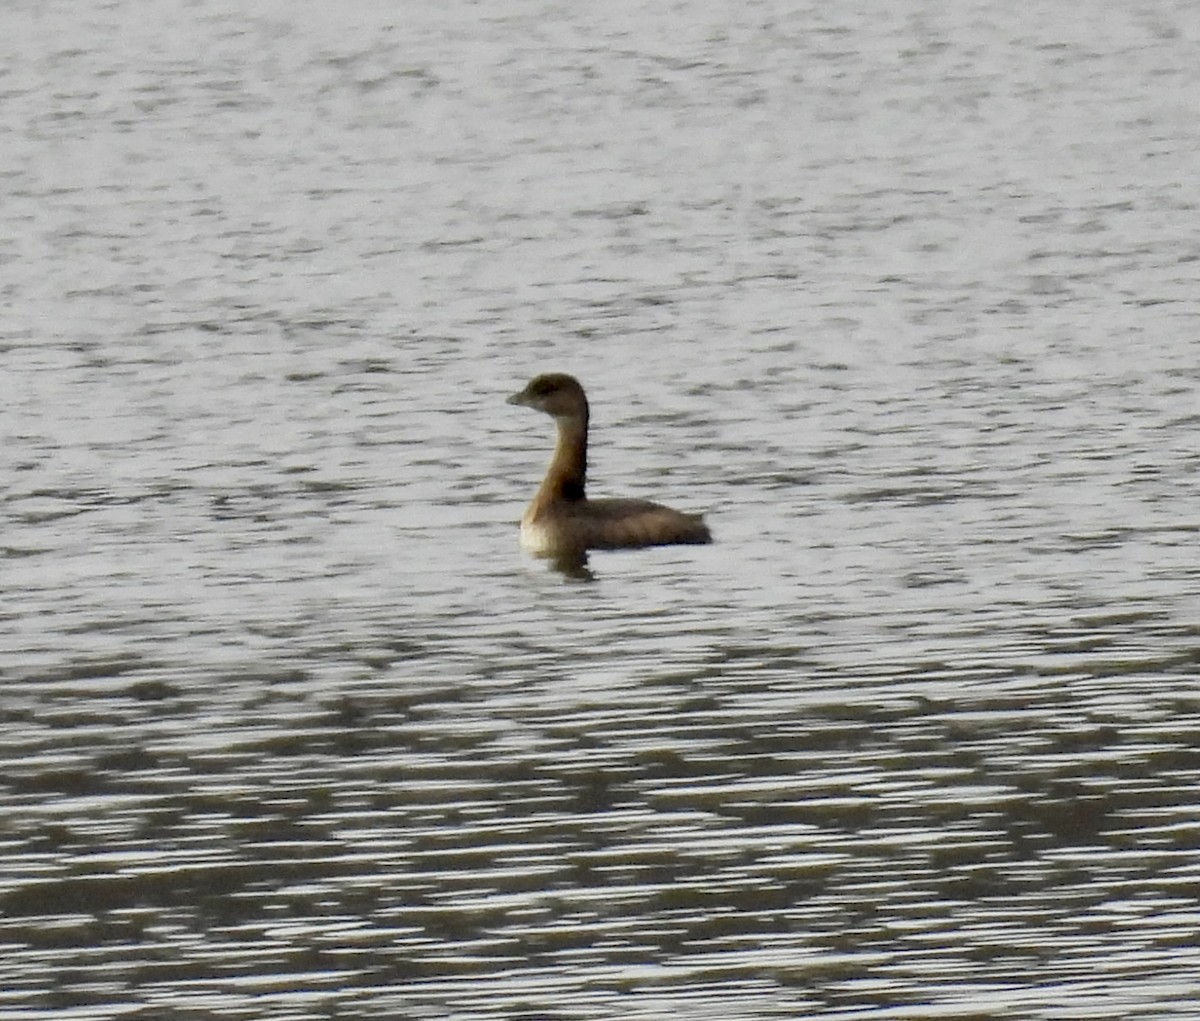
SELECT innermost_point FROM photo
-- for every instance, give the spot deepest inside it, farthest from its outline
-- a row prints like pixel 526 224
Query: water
pixel 903 298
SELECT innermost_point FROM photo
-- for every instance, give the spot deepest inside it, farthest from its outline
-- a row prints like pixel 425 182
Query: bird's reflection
pixel 573 565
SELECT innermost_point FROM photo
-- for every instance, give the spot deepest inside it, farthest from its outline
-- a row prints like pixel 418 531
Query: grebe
pixel 562 522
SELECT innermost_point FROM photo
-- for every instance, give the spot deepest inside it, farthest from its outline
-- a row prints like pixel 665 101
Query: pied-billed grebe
pixel 562 522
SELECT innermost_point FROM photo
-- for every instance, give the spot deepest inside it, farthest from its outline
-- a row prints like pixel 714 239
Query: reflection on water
pixel 290 728
pixel 947 834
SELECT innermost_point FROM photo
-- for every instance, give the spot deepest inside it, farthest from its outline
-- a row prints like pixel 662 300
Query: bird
pixel 561 522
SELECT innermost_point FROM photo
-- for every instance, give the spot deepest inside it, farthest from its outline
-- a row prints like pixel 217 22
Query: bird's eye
pixel 543 387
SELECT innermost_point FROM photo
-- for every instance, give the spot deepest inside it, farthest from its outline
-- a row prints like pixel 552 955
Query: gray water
pixel 902 295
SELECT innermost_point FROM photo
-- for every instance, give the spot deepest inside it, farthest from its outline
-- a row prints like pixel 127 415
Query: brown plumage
pixel 562 522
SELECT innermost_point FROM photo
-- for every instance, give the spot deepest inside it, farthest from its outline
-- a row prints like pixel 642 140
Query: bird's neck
pixel 567 474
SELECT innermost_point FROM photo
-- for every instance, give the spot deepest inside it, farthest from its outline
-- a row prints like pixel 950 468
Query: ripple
pixel 290 728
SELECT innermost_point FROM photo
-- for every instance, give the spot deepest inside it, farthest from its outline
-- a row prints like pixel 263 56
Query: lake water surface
pixel 903 296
